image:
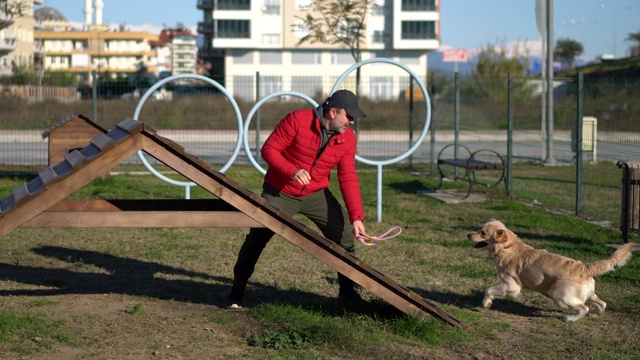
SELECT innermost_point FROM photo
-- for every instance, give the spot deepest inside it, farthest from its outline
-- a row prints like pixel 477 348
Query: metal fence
pixel 496 113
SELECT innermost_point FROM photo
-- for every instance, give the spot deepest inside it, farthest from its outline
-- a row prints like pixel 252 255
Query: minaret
pixel 98 5
pixel 88 12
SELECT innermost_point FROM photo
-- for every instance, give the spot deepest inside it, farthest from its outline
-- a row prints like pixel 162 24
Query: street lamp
pixel 615 22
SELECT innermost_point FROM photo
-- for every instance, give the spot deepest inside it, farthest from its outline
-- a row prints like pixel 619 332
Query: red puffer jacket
pixel 293 145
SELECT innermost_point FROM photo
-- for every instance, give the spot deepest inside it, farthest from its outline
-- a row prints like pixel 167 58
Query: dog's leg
pixel 599 305
pixel 500 290
pixel 580 311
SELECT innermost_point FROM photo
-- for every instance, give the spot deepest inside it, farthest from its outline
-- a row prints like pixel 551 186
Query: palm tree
pixel 634 49
pixel 566 50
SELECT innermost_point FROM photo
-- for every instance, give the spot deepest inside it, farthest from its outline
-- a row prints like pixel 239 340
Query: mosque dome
pixel 49 14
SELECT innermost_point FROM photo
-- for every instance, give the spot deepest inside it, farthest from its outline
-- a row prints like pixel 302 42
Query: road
pixel 217 147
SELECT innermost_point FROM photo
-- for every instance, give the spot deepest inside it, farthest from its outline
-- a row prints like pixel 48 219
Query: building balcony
pixel 7 45
pixel 205 28
pixel 205 5
pixel 6 20
pixel 210 53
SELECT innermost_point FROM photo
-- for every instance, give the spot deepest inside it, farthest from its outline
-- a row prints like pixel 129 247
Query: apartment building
pixel 183 50
pixel 247 37
pixel 17 47
pixel 94 46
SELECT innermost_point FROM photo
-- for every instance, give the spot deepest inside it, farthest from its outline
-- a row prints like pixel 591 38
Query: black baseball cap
pixel 345 99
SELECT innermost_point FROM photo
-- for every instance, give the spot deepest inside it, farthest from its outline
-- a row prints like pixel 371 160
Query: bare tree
pixel 337 22
pixel 11 11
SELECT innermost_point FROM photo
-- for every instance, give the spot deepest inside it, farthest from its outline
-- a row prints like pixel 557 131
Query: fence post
pixel 509 133
pixel 410 120
pixel 432 152
pixel 456 119
pixel 630 212
pixel 258 127
pixel 94 94
pixel 579 129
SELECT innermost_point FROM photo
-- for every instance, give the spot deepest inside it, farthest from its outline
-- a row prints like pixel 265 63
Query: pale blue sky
pixel 466 24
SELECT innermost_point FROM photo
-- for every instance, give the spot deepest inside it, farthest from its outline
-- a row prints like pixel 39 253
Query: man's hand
pixel 358 228
pixel 301 176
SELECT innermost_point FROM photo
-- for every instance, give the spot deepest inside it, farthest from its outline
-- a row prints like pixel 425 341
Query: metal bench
pixel 471 162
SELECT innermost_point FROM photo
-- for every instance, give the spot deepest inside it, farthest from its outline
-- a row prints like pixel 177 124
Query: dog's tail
pixel 618 258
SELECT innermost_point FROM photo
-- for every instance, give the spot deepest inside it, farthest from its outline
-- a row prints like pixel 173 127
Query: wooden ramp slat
pixel 47 176
pixel 75 159
pixel 102 142
pixel 21 194
pixel 131 126
pixel 7 204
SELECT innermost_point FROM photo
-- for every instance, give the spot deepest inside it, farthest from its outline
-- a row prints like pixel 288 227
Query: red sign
pixel 455 55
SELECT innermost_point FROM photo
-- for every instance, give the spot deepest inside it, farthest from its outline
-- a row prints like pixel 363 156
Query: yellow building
pixel 96 47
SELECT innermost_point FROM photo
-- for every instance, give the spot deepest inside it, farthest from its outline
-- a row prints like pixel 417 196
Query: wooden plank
pixel 35 186
pixel 47 176
pixel 75 159
pixel 192 205
pixel 21 194
pixel 117 135
pixel 130 125
pixel 103 142
pixel 7 204
pixel 62 169
pixel 141 219
pixel 91 151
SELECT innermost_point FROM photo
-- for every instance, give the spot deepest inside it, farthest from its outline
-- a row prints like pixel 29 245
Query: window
pixel 301 29
pixel 242 57
pixel 243 87
pixel 306 57
pixel 233 29
pixel 273 38
pixel 304 4
pixel 418 30
pixel 342 57
pixel 378 36
pixel 418 5
pixel 270 57
pixel 270 84
pixel 271 7
pixel 381 88
pixel 307 84
pixel 233 5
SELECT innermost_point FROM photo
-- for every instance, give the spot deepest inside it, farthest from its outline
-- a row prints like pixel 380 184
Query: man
pixel 301 153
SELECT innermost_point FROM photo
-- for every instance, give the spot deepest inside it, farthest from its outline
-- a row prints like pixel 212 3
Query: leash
pixel 369 240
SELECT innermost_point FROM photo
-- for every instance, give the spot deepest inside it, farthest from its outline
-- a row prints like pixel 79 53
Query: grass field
pixel 159 293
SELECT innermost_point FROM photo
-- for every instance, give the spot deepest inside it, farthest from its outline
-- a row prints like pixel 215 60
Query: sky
pixel 601 26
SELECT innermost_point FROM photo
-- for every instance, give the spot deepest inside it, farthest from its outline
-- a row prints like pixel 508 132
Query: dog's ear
pixel 501 235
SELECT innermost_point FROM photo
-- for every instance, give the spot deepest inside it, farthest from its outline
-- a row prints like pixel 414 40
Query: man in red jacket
pixel 301 152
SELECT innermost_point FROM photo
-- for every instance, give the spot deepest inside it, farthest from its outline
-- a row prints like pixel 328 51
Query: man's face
pixel 340 120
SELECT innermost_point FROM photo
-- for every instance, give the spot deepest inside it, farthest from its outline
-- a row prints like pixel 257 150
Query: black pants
pixel 321 207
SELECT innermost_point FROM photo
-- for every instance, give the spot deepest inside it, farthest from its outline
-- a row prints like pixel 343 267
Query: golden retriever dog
pixel 567 281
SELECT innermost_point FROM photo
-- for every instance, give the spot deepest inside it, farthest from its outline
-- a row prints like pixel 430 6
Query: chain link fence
pixel 567 162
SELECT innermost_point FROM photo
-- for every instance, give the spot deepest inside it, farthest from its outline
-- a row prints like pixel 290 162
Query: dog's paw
pixel 486 303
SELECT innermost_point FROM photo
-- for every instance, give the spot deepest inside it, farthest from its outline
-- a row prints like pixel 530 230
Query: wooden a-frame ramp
pixel 40 203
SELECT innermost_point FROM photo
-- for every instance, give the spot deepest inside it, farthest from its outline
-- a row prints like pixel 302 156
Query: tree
pixel 488 81
pixel 337 22
pixel 634 49
pixel 12 10
pixel 566 51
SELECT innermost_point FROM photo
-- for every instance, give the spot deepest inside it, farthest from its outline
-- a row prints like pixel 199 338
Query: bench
pixel 471 162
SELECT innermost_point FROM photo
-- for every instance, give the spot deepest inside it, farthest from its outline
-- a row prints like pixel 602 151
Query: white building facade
pixel 262 36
